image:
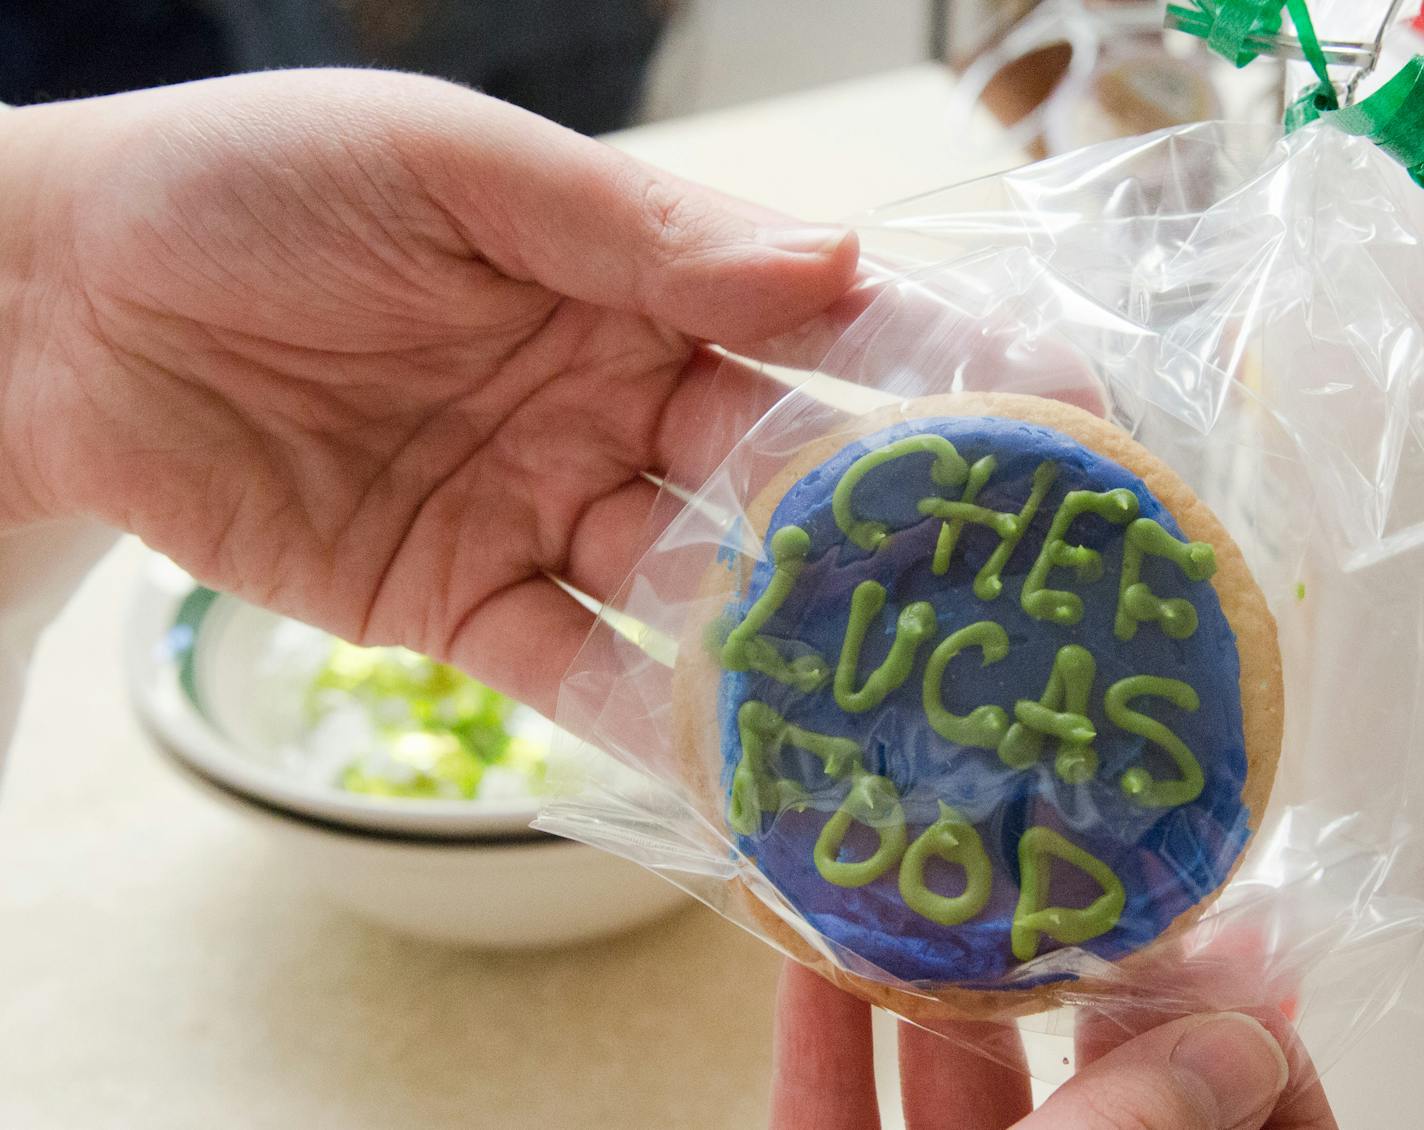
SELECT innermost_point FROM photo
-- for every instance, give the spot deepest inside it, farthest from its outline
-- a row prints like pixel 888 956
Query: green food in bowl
pixel 424 729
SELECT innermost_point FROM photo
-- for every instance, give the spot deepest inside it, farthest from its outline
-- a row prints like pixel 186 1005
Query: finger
pixel 542 203
pixel 963 1076
pixel 520 640
pixel 823 1071
pixel 1214 969
pixel 812 341
pixel 609 537
pixel 1304 1107
pixel 1220 1071
pixel 908 336
pixel 714 405
pixel 1096 1031
pixel 1218 967
pixel 719 399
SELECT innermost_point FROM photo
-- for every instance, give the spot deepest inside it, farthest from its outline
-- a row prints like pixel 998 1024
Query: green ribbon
pixel 1322 100
pixel 1235 22
pixel 1229 26
pixel 1392 117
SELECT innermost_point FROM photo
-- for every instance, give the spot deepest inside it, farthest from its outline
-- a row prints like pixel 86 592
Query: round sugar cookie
pixel 996 715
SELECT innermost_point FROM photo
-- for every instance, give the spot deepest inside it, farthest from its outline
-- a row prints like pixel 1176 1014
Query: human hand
pixel 1221 1071
pixel 371 349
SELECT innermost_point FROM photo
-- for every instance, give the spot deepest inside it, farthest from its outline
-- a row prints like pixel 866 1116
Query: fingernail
pixel 1232 1064
pixel 805 240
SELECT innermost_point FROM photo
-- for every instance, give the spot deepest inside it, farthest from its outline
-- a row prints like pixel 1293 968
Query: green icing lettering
pixel 916 623
pixel 949 469
pixel 756 787
pixel 949 532
pixel 954 840
pixel 1055 605
pixel 871 801
pixel 1032 919
pixel 1062 714
pixel 746 649
pixel 1010 528
pixel 1137 782
pixel 1136 603
pixel 984 726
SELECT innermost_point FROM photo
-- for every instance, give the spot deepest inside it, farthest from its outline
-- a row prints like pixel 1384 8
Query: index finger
pixel 963 1075
pixel 823 1070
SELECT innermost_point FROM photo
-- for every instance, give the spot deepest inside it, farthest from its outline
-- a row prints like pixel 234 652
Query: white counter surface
pixel 159 968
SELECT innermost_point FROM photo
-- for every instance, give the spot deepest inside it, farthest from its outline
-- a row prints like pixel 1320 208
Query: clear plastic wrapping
pixel 1245 308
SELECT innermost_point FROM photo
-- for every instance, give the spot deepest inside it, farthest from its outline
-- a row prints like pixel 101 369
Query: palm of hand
pixel 313 374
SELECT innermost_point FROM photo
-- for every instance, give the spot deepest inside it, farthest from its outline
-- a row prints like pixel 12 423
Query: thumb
pixel 544 204
pixel 1221 1071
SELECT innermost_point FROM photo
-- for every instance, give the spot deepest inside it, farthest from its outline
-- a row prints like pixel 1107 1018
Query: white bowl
pixel 466 872
pixel 197 664
pixel 521 894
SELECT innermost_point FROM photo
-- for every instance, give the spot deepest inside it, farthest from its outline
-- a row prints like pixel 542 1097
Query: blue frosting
pixel 1168 859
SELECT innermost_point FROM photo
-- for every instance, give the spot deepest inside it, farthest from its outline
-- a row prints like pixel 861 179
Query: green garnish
pixel 437 730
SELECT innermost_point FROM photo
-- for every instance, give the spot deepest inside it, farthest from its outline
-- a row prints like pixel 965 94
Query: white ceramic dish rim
pixel 245 804
pixel 153 684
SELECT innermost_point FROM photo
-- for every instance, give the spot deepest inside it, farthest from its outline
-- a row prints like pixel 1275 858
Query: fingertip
pixel 1233 1066
pixel 843 263
pixel 1222 1069
pixel 824 257
pixel 819 241
pixel 758 288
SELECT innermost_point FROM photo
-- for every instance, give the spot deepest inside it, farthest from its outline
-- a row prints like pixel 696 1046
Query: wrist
pixel 34 199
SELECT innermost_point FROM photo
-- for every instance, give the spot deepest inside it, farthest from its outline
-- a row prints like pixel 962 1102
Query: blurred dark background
pixel 582 63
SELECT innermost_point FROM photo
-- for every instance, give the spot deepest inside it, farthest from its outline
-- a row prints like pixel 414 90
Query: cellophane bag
pixel 1247 308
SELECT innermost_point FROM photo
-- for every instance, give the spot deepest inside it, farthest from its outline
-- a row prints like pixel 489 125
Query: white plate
pixel 199 665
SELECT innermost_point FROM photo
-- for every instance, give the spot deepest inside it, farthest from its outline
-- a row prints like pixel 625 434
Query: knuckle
pixel 667 216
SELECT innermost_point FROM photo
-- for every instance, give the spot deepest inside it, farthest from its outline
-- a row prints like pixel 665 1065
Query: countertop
pixel 160 968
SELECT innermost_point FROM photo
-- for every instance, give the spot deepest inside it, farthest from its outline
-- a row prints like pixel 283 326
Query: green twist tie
pixel 1230 26
pixel 1236 22
pixel 1392 117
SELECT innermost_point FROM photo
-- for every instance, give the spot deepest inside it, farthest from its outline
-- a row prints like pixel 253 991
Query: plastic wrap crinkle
pixel 1248 309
